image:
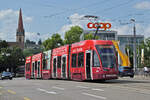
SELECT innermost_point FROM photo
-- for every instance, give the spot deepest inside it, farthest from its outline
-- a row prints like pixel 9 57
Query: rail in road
pixel 122 89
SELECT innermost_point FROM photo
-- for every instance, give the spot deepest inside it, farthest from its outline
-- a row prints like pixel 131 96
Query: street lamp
pixel 134 46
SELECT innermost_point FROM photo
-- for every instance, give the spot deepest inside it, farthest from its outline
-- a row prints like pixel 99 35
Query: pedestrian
pixel 146 71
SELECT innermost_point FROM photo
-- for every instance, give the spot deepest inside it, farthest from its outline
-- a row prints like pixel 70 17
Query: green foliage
pixel 3 44
pixel 31 51
pixel 90 36
pixel 11 58
pixel 73 35
pixel 53 42
pixel 146 46
pixel 30 42
pixel 39 42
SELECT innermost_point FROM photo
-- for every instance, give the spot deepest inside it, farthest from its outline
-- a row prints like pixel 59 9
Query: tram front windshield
pixel 107 55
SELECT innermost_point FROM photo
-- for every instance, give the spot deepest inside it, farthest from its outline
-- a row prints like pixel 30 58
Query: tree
pixel 90 36
pixel 31 51
pixel 3 44
pixel 39 42
pixel 146 46
pixel 53 42
pixel 73 35
pixel 4 58
pixel 30 42
pixel 11 58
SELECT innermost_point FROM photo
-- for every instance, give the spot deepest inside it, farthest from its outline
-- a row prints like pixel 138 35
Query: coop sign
pixel 103 26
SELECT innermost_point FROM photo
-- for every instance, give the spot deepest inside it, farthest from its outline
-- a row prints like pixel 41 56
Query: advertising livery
pixel 85 60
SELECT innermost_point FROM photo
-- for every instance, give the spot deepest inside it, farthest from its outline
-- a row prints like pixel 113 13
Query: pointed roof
pixel 20 22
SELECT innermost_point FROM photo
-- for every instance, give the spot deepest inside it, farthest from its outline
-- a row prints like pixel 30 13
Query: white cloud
pixel 28 19
pixel 75 20
pixel 128 30
pixel 124 30
pixel 147 31
pixel 9 22
pixel 33 36
pixel 143 5
pixel 4 14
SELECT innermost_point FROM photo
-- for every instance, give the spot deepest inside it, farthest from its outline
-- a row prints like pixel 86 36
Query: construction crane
pixel 125 69
pixel 124 58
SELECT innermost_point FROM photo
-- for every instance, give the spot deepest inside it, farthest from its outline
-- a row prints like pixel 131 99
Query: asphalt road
pixel 121 89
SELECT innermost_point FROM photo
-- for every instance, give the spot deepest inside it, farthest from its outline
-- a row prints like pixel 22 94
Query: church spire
pixel 20 34
pixel 20 23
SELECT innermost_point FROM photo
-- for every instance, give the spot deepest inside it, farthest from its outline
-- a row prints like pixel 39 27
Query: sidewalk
pixel 142 77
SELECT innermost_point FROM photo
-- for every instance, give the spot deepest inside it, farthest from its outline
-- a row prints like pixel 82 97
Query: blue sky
pixel 51 16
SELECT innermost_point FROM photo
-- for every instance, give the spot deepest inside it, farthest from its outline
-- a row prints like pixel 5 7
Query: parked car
pixel 6 75
pixel 125 71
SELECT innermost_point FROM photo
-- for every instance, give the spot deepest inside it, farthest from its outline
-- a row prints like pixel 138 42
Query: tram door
pixel 88 64
pixel 63 67
pixel 33 69
pixel 54 67
pixel 38 70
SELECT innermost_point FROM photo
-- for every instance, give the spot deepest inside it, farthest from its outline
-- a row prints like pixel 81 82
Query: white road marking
pixel 98 89
pixel 41 89
pixel 92 95
pixel 50 92
pixel 83 87
pixel 59 88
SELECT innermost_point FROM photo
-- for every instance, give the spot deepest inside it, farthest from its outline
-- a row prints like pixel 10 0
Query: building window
pixel 74 60
pixel 81 59
pixel 19 39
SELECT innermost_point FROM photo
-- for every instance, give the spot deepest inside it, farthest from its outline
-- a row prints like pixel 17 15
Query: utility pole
pixel 134 47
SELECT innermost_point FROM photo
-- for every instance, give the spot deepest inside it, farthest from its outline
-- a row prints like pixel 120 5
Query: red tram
pixel 28 67
pixel 85 60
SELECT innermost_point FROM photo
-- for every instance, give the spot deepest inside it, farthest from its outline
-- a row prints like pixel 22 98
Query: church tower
pixel 20 34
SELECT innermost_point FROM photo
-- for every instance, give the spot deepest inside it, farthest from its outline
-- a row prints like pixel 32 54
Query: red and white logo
pixel 103 26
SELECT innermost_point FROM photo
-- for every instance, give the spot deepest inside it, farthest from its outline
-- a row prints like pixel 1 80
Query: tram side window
pixel 96 62
pixel 44 64
pixel 81 59
pixel 38 65
pixel 54 63
pixel 35 65
pixel 59 61
pixel 74 60
pixel 28 67
pixel 64 62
